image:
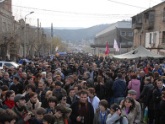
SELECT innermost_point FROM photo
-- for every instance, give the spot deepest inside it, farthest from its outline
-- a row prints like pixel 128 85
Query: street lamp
pixel 24 45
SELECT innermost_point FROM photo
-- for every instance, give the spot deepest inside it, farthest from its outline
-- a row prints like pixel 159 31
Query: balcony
pixel 149 25
pixel 137 25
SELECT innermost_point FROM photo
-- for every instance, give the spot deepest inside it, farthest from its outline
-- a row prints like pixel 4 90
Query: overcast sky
pixel 78 13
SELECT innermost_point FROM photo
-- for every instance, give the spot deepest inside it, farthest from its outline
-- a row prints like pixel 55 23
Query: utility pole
pixel 51 48
pixel 25 35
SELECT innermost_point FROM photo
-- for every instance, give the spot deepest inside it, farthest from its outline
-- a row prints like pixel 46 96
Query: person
pixel 82 110
pixel 128 109
pixel 157 92
pixel 7 116
pixel 62 101
pixel 16 86
pixel 58 91
pixel 33 102
pixel 9 100
pixel 115 116
pixel 132 94
pixel 52 103
pixel 38 117
pixel 101 114
pixel 119 89
pixel 162 108
pixel 134 84
pixel 71 98
pixel 20 109
pixel 93 99
pixel 48 119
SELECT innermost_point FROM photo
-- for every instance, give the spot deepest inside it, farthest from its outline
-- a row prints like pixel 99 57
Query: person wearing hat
pixel 21 110
pixel 132 94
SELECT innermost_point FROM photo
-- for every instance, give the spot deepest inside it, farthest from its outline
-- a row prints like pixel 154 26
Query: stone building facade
pixel 149 28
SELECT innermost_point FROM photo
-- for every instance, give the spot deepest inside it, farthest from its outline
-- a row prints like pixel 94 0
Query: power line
pixel 75 13
pixel 126 4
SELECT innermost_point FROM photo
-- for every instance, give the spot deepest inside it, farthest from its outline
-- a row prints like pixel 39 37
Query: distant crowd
pixel 82 89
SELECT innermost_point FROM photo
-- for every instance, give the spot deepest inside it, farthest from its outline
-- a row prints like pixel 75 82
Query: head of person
pixel 114 108
pixel 40 112
pixel 30 88
pixel 147 80
pixel 48 119
pixel 134 76
pixel 20 102
pixel 24 75
pixel 83 94
pixel 10 94
pixel 119 75
pixel 15 79
pixel 86 75
pixel 6 75
pixel 163 95
pixel 103 105
pixel 52 101
pixel 132 94
pixel 71 92
pixel 91 92
pixel 63 99
pixel 41 85
pixel 59 111
pixel 129 103
pixel 159 83
pixel 77 88
pixel 33 97
pixel 58 85
pixel 8 116
pixel 30 80
pixel 48 94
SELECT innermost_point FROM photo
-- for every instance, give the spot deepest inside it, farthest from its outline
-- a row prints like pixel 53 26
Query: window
pixel 150 41
pixel 123 33
pixel 4 27
pixel 130 34
pixel 163 37
pixel 0 64
pixel 154 37
pixel 8 64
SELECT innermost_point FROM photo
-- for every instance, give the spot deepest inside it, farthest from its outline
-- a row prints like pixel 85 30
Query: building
pixel 121 31
pixel 6 29
pixel 149 28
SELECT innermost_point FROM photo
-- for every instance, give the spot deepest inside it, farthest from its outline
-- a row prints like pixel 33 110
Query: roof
pixel 119 24
pixel 138 52
pixel 151 8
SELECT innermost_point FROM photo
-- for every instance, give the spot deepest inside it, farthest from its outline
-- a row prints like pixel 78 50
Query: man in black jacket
pixel 82 110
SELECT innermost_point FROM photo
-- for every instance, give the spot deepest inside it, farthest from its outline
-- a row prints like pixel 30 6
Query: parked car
pixel 8 64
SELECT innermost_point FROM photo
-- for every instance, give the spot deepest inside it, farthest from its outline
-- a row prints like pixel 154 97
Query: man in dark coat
pixel 82 110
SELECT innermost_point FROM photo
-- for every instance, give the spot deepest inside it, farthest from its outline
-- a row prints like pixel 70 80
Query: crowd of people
pixel 82 89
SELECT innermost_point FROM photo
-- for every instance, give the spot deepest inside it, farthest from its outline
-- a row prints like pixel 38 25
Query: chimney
pixel 8 5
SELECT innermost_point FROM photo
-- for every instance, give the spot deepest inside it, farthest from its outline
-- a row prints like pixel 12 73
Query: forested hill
pixel 77 34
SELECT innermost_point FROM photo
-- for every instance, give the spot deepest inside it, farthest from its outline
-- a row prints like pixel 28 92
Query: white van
pixel 8 64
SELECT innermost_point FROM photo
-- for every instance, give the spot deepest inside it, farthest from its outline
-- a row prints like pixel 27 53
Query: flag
pixel 107 50
pixel 115 45
pixel 56 48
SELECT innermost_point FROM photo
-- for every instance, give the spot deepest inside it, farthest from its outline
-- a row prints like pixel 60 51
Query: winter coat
pixel 97 117
pixel 130 116
pixel 113 119
pixel 77 110
pixel 119 88
pixel 30 106
pixel 134 84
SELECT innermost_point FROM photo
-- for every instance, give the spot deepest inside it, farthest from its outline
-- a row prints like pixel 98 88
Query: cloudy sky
pixel 78 13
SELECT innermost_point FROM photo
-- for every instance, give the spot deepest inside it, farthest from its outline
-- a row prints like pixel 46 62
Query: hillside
pixel 76 35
